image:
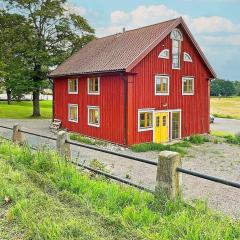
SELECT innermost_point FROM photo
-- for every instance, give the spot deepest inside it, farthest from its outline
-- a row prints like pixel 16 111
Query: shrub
pixel 198 139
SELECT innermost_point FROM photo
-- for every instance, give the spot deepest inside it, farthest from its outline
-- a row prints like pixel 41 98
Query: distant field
pixel 19 110
pixel 226 107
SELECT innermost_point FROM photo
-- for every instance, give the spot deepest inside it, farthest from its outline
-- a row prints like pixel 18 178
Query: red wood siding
pixel 110 102
pixel 195 109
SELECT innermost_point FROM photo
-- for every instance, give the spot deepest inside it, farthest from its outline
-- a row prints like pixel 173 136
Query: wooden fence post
pixel 168 179
pixel 17 136
pixel 63 148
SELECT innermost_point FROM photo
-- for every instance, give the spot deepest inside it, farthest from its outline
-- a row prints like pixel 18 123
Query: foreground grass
pixel 228 137
pixel 21 110
pixel 44 197
pixel 226 107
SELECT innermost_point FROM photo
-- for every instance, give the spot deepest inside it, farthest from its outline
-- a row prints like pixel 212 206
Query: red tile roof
pixel 119 52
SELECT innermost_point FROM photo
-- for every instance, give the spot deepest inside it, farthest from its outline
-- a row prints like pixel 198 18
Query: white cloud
pixel 213 24
pixel 233 40
pixel 73 9
pixel 144 15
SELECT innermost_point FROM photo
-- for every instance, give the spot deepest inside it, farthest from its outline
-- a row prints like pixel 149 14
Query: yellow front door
pixel 161 127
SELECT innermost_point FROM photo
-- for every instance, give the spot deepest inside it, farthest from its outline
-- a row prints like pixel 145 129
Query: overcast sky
pixel 214 23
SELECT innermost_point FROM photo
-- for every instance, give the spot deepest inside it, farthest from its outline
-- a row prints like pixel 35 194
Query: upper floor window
pixel 145 120
pixel 177 38
pixel 164 54
pixel 73 113
pixel 187 57
pixel 187 86
pixel 94 86
pixel 161 85
pixel 93 116
pixel 73 86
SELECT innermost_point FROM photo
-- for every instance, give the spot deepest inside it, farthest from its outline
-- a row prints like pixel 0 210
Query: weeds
pixel 86 140
pixel 198 139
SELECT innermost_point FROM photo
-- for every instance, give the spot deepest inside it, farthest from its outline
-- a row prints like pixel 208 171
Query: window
pixel 187 57
pixel 73 113
pixel 94 86
pixel 145 120
pixel 94 116
pixel 175 125
pixel 164 121
pixel 73 86
pixel 161 85
pixel 187 86
pixel 176 37
pixel 164 54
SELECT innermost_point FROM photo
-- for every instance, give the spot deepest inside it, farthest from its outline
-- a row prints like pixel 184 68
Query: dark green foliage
pixel 198 139
pixel 221 87
pixel 177 147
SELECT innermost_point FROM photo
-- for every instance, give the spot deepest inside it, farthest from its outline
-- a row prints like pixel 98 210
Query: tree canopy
pixel 221 87
pixel 50 34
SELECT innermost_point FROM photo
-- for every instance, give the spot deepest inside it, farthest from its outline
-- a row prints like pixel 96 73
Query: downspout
pixel 124 78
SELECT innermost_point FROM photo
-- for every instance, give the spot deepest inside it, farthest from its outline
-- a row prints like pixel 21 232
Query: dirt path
pixel 220 160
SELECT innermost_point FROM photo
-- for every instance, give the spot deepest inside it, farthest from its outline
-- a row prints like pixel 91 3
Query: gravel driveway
pixel 220 160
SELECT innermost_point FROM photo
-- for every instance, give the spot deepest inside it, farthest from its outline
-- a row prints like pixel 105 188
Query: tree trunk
pixel 9 96
pixel 36 105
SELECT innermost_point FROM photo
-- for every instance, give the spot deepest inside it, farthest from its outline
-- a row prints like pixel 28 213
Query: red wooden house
pixel 150 84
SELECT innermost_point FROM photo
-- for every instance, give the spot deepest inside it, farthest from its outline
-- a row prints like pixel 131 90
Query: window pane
pixel 162 84
pixel 73 113
pixel 164 121
pixel 146 119
pixel 94 116
pixel 175 125
pixel 93 85
pixel 72 85
pixel 188 85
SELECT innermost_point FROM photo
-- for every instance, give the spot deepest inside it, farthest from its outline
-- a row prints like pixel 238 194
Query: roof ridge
pixel 134 29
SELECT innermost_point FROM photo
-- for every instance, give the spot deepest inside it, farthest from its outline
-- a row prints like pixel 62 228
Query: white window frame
pixel 162 94
pixel 88 83
pixel 150 110
pixel 186 56
pixel 180 47
pixel 69 107
pixel 180 123
pixel 188 94
pixel 162 52
pixel 93 108
pixel 70 79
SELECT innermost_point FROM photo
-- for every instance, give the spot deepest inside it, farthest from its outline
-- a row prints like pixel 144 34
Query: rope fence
pixel 169 168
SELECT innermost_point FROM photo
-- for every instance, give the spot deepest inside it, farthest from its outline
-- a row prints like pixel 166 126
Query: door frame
pixel 169 111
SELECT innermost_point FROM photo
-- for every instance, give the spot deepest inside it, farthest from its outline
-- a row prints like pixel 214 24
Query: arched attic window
pixel 177 38
pixel 187 57
pixel 164 53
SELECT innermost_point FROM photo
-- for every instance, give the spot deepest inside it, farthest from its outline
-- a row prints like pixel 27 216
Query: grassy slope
pixel 226 107
pixel 50 199
pixel 18 110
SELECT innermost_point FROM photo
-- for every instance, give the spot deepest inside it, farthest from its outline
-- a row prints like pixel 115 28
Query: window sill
pixel 72 121
pixel 188 94
pixel 145 129
pixel 161 94
pixel 93 125
pixel 97 93
pixel 74 93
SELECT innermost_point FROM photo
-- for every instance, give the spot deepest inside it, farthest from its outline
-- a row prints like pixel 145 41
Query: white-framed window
pixel 94 85
pixel 73 86
pixel 162 85
pixel 177 38
pixel 73 113
pixel 164 54
pixel 94 116
pixel 188 86
pixel 187 57
pixel 145 120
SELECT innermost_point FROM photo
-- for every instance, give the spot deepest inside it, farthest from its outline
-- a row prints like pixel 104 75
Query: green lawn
pixel 44 197
pixel 226 107
pixel 20 110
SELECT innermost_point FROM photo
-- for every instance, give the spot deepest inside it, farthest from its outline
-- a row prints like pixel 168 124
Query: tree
pixel 54 34
pixel 222 87
pixel 13 68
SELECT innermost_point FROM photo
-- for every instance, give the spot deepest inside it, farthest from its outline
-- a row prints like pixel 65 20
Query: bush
pixel 198 139
pixel 86 140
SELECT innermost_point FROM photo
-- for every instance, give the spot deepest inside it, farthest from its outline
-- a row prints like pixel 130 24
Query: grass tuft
pixel 86 140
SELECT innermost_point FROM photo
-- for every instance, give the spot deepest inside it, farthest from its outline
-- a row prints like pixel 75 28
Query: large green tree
pixel 13 67
pixel 221 87
pixel 54 34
